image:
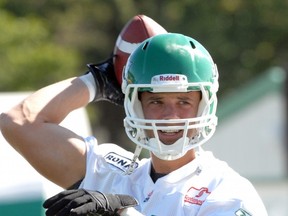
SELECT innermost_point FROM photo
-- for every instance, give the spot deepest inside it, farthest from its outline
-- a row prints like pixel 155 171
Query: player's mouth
pixel 170 136
pixel 170 131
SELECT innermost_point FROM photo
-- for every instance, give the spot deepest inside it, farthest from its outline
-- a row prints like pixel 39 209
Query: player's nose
pixel 169 112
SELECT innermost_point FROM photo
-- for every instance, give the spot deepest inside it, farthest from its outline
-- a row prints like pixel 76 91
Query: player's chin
pixel 168 137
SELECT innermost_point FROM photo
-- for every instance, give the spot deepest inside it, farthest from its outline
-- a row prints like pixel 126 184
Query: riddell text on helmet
pixel 174 78
pixel 169 78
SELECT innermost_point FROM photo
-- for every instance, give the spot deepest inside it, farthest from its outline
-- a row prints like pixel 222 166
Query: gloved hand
pixel 107 86
pixel 81 202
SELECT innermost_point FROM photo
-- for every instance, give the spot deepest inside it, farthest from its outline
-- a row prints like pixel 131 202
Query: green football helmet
pixel 170 63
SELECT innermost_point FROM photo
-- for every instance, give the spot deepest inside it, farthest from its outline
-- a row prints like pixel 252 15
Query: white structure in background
pixel 251 137
pixel 22 189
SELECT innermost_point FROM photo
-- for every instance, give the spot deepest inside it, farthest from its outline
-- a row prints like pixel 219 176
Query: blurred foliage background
pixel 43 41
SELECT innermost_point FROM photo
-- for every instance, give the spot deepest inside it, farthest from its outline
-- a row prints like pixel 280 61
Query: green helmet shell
pixel 170 54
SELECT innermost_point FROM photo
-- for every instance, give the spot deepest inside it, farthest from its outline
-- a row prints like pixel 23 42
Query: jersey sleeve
pixel 104 164
pixel 116 157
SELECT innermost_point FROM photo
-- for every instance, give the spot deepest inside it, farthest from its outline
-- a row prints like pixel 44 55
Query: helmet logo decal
pixel 169 79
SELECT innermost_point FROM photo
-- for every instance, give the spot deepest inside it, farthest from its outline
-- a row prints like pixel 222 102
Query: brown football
pixel 138 29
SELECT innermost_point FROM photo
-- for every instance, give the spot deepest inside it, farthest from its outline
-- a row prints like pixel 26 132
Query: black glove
pixel 107 85
pixel 82 202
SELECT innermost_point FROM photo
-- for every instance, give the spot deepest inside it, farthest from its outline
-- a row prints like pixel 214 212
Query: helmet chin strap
pixel 132 166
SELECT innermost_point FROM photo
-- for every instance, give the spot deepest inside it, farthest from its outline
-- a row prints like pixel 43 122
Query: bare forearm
pixel 54 102
pixel 47 105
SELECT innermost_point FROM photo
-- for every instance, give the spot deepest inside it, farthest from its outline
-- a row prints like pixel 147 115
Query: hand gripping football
pixel 138 29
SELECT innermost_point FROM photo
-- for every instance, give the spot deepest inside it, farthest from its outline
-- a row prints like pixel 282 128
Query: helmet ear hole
pixel 145 45
pixel 192 44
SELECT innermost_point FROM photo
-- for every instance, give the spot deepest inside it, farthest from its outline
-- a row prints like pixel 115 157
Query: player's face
pixel 170 106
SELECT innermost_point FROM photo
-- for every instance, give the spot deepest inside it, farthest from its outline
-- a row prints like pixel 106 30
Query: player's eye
pixel 155 102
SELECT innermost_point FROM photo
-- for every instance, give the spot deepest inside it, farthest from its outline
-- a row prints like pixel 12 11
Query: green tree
pixel 28 58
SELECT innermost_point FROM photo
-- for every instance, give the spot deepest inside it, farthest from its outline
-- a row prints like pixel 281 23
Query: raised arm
pixel 32 129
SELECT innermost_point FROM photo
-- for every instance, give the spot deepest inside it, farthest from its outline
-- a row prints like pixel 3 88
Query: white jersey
pixel 204 187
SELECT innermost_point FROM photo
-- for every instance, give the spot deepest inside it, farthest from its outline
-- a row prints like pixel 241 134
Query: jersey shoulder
pixel 115 156
pixel 229 188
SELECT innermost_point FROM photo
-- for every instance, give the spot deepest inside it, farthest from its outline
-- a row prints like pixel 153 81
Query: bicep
pixel 55 152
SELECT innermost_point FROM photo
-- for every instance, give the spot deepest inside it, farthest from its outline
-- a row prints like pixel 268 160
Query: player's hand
pixel 107 86
pixel 82 202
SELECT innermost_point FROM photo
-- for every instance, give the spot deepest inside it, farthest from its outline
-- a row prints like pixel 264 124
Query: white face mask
pixel 204 124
